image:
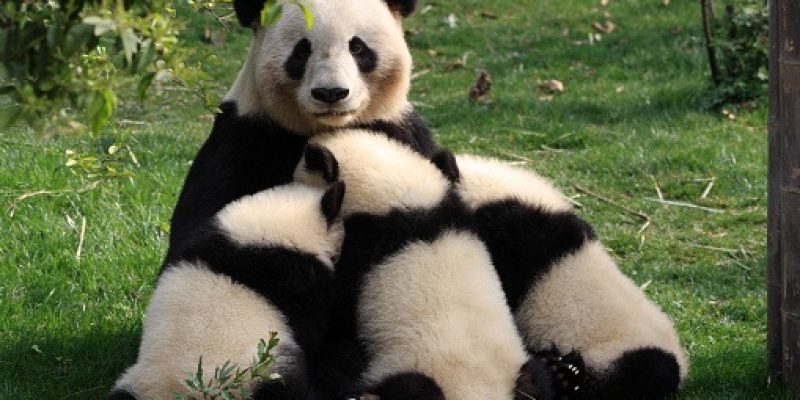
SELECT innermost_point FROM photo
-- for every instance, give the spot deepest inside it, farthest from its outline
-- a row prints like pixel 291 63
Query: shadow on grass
pixel 75 367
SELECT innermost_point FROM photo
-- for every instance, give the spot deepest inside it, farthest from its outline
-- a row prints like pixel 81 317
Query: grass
pixel 632 122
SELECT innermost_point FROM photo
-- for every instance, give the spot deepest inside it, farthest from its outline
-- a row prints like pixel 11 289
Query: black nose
pixel 329 95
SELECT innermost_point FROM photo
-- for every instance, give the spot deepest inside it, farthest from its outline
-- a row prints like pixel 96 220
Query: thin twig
pixel 708 188
pixel 685 204
pixel 420 73
pixel 721 249
pixel 132 156
pixel 54 192
pixel 643 216
pixel 706 12
pixel 80 239
pixel 658 189
pixel 517 156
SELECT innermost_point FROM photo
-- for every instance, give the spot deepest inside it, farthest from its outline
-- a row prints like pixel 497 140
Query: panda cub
pixel 351 69
pixel 565 291
pixel 264 264
pixel 415 285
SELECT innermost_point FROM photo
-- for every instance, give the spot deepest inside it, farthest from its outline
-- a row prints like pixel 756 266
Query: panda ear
pixel 321 160
pixel 446 162
pixel 248 12
pixel 404 7
pixel 332 201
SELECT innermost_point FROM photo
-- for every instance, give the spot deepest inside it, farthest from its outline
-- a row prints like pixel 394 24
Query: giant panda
pixel 565 291
pixel 264 264
pixel 351 69
pixel 415 285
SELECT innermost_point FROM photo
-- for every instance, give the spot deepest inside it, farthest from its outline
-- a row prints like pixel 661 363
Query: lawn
pixel 630 133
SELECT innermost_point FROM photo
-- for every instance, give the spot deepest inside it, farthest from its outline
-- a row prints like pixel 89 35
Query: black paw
pixel 567 372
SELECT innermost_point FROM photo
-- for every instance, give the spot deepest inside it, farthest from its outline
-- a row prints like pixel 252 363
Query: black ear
pixel 320 159
pixel 248 12
pixel 404 7
pixel 332 201
pixel 446 162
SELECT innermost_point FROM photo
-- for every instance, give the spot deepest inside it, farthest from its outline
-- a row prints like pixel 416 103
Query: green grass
pixel 633 114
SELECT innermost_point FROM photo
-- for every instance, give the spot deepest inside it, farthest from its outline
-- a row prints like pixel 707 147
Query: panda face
pixel 352 66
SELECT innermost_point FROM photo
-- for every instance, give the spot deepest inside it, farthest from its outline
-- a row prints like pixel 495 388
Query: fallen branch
pixel 54 192
pixel 685 204
pixel 80 239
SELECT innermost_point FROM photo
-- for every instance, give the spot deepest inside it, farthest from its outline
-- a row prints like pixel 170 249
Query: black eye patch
pixel 296 63
pixel 366 59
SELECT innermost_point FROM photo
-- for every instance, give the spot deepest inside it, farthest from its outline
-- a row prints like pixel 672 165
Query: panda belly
pixel 437 308
pixel 195 312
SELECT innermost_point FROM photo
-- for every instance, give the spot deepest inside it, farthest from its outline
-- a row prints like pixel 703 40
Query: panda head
pixel 293 216
pixel 352 66
pixel 382 174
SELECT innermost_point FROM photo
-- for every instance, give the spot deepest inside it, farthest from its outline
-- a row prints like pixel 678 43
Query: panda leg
pixel 586 305
pixel 646 373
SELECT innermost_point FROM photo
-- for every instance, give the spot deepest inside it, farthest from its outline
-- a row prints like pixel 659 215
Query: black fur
pixel 643 374
pixel 526 241
pixel 332 202
pixel 297 283
pixel 567 372
pixel 406 386
pixel 534 381
pixel 120 394
pixel 404 7
pixel 248 12
pixel 295 65
pixel 445 161
pixel 365 57
pixel 294 383
pixel 245 155
pixel 319 159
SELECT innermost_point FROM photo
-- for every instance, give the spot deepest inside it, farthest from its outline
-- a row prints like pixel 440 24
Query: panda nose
pixel 329 95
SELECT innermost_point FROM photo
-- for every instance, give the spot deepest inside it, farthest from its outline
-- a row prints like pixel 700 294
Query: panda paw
pixel 567 372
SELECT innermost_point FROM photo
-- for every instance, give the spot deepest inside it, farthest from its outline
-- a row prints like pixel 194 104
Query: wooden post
pixel 783 238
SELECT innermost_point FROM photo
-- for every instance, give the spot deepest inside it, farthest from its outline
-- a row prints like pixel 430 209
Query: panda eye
pixel 357 46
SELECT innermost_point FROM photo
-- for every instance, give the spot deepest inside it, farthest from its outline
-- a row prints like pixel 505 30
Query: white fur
pixel 485 180
pixel 587 304
pixel 381 174
pixel 438 308
pixel 286 216
pixel 263 87
pixel 196 312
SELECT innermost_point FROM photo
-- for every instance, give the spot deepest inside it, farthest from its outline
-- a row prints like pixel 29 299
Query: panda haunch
pixel 564 289
pixel 414 284
pixel 264 264
pixel 351 69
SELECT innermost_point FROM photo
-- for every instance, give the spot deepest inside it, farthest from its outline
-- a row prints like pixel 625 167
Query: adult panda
pixel 414 284
pixel 352 68
pixel 565 291
pixel 263 264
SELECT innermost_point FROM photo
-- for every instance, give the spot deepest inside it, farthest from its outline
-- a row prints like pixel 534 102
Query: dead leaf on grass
pixel 488 15
pixel 552 86
pixel 607 27
pixel 481 88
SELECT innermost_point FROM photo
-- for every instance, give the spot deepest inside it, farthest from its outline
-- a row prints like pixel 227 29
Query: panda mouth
pixel 334 113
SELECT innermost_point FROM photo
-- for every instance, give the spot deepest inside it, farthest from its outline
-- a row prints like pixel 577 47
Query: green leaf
pixel 271 13
pixel 101 25
pixel 144 84
pixel 9 114
pixel 199 375
pixel 307 15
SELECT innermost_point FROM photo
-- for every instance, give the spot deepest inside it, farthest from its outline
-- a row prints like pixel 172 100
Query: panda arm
pixel 241 156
